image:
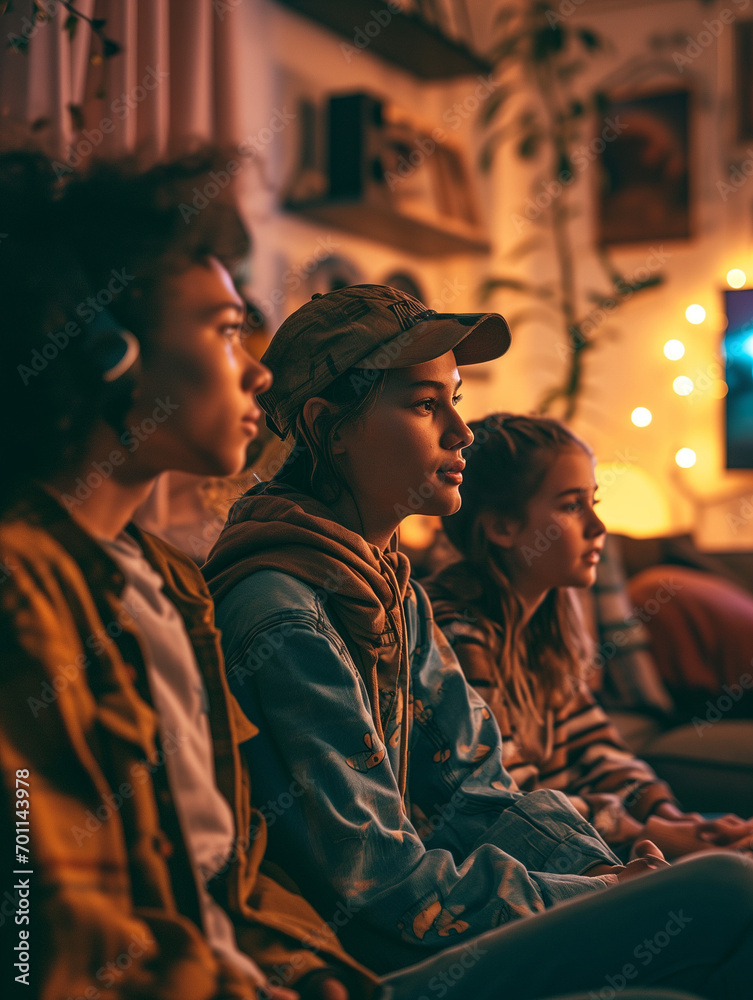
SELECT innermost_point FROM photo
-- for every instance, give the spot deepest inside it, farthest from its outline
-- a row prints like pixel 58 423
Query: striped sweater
pixel 576 750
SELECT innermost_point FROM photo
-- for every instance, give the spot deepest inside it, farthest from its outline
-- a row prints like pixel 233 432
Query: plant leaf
pixel 493 105
pixel 546 42
pixel 77 117
pixel 530 314
pixel 486 155
pixel 110 48
pixel 529 146
pixel 590 40
pixel 602 104
pixel 506 48
pixel 20 43
pixel 527 246
pixel 491 284
pixel 567 71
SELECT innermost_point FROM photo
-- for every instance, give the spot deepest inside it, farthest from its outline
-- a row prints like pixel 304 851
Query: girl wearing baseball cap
pixel 379 771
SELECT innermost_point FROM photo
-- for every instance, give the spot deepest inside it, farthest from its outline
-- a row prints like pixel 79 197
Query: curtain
pixel 175 81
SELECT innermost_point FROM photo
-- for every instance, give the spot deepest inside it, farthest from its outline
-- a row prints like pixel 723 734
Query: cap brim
pixel 473 337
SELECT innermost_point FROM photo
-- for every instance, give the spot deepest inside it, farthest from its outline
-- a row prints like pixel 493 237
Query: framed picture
pixel 744 80
pixel 645 178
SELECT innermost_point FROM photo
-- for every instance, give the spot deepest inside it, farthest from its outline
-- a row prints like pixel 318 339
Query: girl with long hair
pixel 377 768
pixel 529 535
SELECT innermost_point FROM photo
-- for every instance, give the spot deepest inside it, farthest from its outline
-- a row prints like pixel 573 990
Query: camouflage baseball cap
pixel 366 326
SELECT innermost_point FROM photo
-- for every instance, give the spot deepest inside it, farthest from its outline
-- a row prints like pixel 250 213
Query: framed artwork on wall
pixel 644 191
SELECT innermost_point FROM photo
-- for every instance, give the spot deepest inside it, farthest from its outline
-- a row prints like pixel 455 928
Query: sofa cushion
pixel 709 767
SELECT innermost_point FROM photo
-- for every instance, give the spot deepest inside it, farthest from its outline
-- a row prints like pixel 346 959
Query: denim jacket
pixel 466 853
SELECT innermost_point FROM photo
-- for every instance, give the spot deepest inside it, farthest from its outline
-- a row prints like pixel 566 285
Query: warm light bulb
pixel 685 458
pixel 641 417
pixel 695 314
pixel 674 350
pixel 736 278
pixel 683 385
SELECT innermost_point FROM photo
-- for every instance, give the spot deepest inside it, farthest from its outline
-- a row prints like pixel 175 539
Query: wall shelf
pixel 403 39
pixel 411 234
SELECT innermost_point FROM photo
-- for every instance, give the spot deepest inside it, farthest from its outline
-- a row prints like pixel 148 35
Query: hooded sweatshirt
pixel 334 655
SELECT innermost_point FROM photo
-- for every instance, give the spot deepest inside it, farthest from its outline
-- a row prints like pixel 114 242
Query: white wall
pixel 626 371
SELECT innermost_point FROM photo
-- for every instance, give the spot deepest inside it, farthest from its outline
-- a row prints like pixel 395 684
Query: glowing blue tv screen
pixel 738 354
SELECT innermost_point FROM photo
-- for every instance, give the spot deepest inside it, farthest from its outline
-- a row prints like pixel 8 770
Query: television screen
pixel 738 353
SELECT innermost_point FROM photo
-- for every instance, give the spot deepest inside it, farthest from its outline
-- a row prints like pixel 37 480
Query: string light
pixel 674 350
pixel 695 314
pixel 641 416
pixel 736 278
pixel 685 458
pixel 683 385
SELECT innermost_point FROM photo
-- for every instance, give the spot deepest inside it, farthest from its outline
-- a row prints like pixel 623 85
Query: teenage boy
pixel 134 860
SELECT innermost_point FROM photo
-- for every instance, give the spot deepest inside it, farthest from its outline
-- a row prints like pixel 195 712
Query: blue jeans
pixel 688 927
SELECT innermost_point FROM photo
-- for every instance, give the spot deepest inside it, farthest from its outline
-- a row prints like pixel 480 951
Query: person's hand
pixel 645 857
pixel 681 833
pixel 727 831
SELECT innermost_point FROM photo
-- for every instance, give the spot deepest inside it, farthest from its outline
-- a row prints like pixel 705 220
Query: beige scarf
pixel 276 527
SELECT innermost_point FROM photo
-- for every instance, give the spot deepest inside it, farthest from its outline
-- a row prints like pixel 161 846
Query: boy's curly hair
pixel 62 241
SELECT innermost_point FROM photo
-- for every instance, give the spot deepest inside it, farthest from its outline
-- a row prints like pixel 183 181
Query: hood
pixel 276 526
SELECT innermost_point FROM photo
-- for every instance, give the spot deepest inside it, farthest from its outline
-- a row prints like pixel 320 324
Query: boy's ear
pixel 500 530
pixel 313 410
